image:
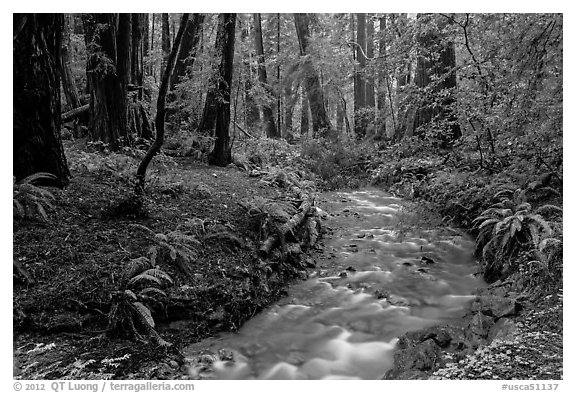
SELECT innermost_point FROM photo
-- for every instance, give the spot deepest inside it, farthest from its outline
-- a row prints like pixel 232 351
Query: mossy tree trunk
pixel 36 92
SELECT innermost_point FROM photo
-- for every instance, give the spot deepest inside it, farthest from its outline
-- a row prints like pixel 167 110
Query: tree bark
pixel 320 122
pixel 188 48
pixel 304 115
pixel 359 80
pixel 221 155
pixel 370 96
pixel 161 110
pixel 106 76
pixel 269 124
pixel 137 55
pixel 210 114
pixel 37 39
pixel 165 41
pixel 68 84
pixel 251 110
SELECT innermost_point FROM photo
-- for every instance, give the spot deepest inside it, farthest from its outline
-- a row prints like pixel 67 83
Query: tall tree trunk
pixel 138 121
pixel 160 111
pixel 221 155
pixel 106 76
pixel 304 118
pixel 151 71
pixel 68 84
pixel 339 116
pixel 187 53
pixel 210 113
pixel 251 110
pixel 137 55
pixel 436 66
pixel 146 35
pixel 36 93
pixel 320 122
pixel 370 96
pixel 278 80
pixel 165 41
pixel 383 81
pixel 359 80
pixel 269 124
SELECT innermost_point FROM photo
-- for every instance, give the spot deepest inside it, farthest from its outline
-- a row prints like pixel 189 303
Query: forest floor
pixel 76 260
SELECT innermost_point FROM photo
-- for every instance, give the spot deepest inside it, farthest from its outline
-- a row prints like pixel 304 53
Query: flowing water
pixel 378 280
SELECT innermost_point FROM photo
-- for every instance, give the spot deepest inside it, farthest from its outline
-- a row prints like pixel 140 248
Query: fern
pixel 30 200
pixel 507 227
pixel 139 290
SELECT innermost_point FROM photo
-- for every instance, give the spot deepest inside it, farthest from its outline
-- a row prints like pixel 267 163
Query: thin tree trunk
pixel 221 155
pixel 165 41
pixel 320 122
pixel 68 84
pixel 160 111
pixel 269 124
pixel 36 97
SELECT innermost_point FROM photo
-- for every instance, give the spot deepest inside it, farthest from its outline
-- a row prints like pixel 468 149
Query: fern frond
pixel 490 221
pixel 37 176
pixel 549 208
pixel 549 242
pixel 135 267
pixel 544 226
pixel 523 207
pixel 152 291
pixel 159 274
pixel 144 312
pixel 144 277
pixel 130 294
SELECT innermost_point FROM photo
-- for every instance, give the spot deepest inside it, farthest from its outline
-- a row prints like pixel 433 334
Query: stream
pixel 377 279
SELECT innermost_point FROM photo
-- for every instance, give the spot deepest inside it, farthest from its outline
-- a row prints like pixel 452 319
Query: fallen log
pixel 241 129
pixel 288 227
pixel 67 116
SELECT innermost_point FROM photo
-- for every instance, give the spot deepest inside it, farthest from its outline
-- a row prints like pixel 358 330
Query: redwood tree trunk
pixel 187 53
pixel 251 110
pixel 269 124
pixel 209 115
pixel 221 155
pixel 320 122
pixel 359 80
pixel 36 106
pixel 107 76
pixel 304 118
pixel 370 96
pixel 68 85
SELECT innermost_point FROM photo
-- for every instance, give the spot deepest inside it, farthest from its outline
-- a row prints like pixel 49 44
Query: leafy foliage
pixel 30 200
pixel 140 290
